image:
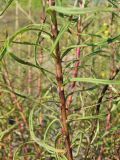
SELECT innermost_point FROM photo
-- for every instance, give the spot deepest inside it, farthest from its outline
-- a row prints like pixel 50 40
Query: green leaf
pixel 94 44
pixel 3 53
pixel 9 41
pixel 41 143
pixel 8 4
pixel 51 123
pixel 22 61
pixel 7 131
pixel 77 10
pixel 111 40
pixel 35 50
pixel 17 150
pixel 8 90
pixel 34 27
pixel 19 60
pixel 77 117
pixel 62 30
pixel 113 3
pixel 7 114
pixel 96 81
pixel 68 49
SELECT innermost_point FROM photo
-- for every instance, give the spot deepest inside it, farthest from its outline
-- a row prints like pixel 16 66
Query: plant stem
pixel 76 67
pixel 59 78
pixel 29 79
pixel 99 102
pixel 13 96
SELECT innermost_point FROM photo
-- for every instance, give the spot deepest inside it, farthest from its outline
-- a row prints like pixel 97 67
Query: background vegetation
pixel 59 80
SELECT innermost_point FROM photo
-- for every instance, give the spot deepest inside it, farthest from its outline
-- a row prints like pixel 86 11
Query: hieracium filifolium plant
pixel 59 79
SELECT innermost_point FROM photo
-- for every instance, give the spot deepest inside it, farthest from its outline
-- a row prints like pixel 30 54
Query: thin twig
pixel 99 102
pixel 78 54
pixel 13 96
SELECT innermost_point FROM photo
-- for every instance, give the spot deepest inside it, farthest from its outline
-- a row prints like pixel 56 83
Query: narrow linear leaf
pixel 5 132
pixel 8 4
pixel 25 43
pixel 35 49
pixel 3 52
pixel 112 2
pixel 15 154
pixel 51 123
pixel 83 90
pixel 96 81
pixel 19 60
pixel 35 27
pixel 77 10
pixel 9 41
pixel 62 30
pixel 8 90
pixel 7 114
pixel 41 143
pixel 78 117
pixel 68 49
pixel 101 43
pixel 96 132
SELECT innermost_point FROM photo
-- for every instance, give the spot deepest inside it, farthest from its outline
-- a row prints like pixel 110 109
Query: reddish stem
pixel 59 78
pixel 75 74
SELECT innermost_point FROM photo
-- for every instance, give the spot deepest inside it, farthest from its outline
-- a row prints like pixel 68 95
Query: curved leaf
pixel 41 143
pixel 8 42
pixel 29 64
